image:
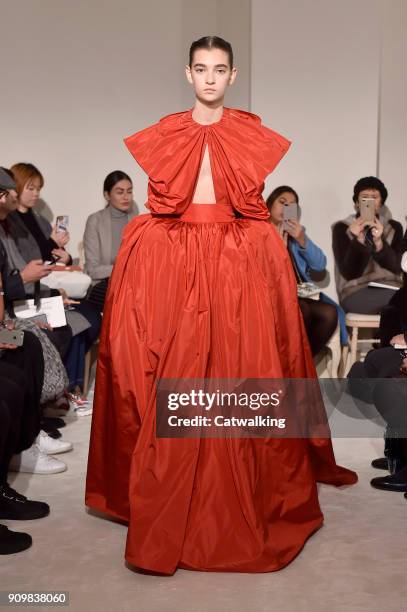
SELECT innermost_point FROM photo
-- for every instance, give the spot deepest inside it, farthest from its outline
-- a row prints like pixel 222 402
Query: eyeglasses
pixel 3 192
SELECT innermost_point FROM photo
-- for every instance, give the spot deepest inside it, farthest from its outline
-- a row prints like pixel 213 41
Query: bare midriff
pixel 204 190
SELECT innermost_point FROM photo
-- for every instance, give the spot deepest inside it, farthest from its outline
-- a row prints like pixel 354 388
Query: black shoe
pixel 53 433
pixel 394 482
pixel 13 541
pixel 52 423
pixel 380 464
pixel 14 506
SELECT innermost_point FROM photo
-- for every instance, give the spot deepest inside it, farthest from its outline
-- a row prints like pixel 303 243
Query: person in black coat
pixel 21 379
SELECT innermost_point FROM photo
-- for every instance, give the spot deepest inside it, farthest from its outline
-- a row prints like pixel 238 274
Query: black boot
pixel 392 482
pixel 13 541
pixel 397 456
pixel 14 506
pixel 381 463
pixel 395 449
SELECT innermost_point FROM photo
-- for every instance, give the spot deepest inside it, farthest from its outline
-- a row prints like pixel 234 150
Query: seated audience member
pixel 35 352
pixel 393 317
pixel 321 315
pixel 83 320
pixel 23 277
pixel 35 237
pixel 381 379
pixel 13 505
pixel 103 232
pixel 367 252
pixel 20 385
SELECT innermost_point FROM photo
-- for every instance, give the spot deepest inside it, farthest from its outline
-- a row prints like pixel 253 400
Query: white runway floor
pixel 356 562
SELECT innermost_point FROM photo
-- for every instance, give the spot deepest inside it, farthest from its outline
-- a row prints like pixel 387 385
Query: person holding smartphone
pixel 34 230
pixel 367 248
pixel 37 239
pixel 21 377
pixel 84 320
pixel 320 315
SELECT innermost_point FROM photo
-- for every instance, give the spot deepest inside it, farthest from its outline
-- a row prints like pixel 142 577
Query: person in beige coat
pixel 103 232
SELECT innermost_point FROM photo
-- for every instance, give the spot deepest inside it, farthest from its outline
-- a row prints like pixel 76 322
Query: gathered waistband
pixel 208 213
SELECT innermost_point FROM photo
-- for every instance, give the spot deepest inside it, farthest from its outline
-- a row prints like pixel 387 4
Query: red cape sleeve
pixel 273 147
pixel 144 147
pixel 252 151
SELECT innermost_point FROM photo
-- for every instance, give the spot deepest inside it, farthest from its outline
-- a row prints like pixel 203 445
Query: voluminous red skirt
pixel 202 295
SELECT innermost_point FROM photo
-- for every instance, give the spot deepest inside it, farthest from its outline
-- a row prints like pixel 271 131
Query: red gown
pixel 203 291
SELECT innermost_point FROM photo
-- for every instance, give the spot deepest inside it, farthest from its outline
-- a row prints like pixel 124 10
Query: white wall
pixel 315 79
pixel 80 76
pixel 392 155
pixel 77 77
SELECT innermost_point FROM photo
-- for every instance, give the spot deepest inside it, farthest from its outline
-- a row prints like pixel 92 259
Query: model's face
pixel 277 209
pixel 121 195
pixel 3 197
pixel 210 75
pixel 373 194
pixel 31 193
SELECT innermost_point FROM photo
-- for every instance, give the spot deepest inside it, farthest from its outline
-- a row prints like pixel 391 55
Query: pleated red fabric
pixel 201 291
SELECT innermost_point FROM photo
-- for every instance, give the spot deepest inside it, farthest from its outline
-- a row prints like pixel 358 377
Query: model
pixel 203 287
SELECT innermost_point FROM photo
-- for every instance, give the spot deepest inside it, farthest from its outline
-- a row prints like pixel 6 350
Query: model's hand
pixel 61 238
pixel 296 231
pixel 35 270
pixel 399 339
pixel 61 255
pixel 356 228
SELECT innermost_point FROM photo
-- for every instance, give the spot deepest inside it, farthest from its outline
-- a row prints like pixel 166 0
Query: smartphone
pixel 41 318
pixel 290 211
pixel 11 336
pixel 62 223
pixel 367 209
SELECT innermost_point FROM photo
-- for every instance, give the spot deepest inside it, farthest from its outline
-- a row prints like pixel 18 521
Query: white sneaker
pixel 51 446
pixel 84 410
pixel 33 461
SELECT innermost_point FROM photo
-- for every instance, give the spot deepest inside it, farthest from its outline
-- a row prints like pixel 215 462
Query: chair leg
pixel 336 359
pixel 343 369
pixel 86 374
pixel 354 345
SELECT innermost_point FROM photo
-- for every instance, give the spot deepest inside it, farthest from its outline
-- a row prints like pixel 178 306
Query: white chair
pixel 90 358
pixel 327 362
pixel 356 321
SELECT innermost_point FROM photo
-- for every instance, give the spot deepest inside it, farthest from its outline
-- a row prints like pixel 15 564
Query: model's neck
pixel 204 114
pixel 22 209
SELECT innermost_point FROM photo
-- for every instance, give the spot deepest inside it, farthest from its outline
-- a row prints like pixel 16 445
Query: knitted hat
pixel 370 182
pixel 6 182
